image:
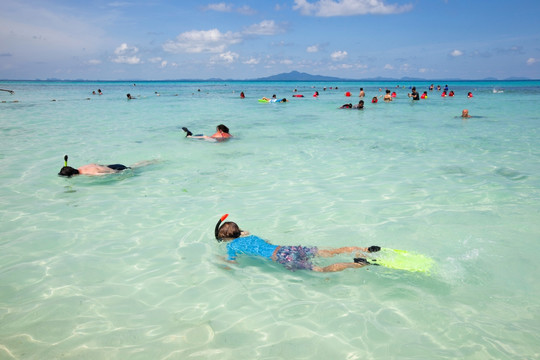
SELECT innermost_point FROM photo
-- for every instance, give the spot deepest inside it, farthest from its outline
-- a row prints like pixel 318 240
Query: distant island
pixel 298 76
pixel 302 76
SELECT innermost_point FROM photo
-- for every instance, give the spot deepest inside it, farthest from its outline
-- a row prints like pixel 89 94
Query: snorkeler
pixel 95 169
pixel 292 257
pixel 222 133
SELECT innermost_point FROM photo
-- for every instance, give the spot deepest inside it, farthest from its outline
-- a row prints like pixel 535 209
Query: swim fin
pixel 188 133
pixel 403 260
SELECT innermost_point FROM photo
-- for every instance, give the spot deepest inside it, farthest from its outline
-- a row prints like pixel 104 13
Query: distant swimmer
pixel 360 105
pixel 274 99
pixel 375 100
pixel 465 114
pixel 91 169
pixel 222 133
pixel 387 96
pixel 129 97
pixel 470 95
pixel 291 257
pixel 414 94
pixel 424 95
pixel 362 93
pixel 242 96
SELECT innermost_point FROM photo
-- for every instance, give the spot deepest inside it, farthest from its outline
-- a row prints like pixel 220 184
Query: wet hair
pixel 68 171
pixel 229 230
pixel 223 128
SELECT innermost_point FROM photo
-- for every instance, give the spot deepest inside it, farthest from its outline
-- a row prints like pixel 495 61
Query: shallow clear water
pixel 126 266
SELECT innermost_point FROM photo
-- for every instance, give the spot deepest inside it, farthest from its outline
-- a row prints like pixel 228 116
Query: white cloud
pixel 155 60
pixel 388 67
pixel 94 62
pixel 199 41
pixel 265 27
pixel 456 53
pixel 327 8
pixel 313 49
pixel 228 57
pixel 214 41
pixel 531 61
pixel 221 7
pixel 286 62
pixel 246 10
pixel 405 67
pixel 126 55
pixel 252 61
pixel 338 55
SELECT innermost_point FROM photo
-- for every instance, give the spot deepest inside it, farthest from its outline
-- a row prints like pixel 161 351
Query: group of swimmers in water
pixel 242 243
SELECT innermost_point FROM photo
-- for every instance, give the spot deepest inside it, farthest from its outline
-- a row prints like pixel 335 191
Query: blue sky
pixel 242 39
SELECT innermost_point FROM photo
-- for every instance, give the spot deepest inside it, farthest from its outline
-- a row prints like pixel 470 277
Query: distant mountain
pixel 298 76
pixel 517 79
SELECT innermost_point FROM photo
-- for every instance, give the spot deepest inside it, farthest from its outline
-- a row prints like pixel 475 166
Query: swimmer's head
pixel 223 128
pixel 229 230
pixel 465 113
pixel 68 171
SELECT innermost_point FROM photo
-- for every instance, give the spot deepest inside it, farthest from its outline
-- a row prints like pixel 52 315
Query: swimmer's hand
pixel 188 133
pixel 373 248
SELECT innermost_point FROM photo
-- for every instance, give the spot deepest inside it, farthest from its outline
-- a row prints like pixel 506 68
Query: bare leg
pixel 338 267
pixel 341 250
pixel 144 163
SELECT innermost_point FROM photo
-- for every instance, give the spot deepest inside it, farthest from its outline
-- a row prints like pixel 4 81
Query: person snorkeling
pixel 465 114
pixel 291 257
pixel 222 133
pixel 96 169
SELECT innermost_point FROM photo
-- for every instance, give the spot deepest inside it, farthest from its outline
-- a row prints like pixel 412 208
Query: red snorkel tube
pixel 216 231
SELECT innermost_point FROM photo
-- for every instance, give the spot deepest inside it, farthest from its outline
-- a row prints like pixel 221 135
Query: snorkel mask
pixel 67 171
pixel 216 230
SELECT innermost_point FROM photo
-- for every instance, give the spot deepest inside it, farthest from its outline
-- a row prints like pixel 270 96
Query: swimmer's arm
pixel 226 259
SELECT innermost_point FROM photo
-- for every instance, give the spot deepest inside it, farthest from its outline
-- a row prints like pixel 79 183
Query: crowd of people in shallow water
pixel 239 242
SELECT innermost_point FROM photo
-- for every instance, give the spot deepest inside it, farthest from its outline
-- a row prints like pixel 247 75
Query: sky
pixel 247 39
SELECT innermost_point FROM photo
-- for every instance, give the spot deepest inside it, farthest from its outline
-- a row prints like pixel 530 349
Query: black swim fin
pixel 364 261
pixel 373 248
pixel 188 133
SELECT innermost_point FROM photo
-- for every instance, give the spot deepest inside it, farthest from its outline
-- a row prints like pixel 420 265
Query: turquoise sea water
pixel 126 266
